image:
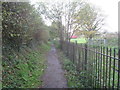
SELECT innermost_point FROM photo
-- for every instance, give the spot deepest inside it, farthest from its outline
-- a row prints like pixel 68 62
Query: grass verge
pixel 23 70
pixel 73 79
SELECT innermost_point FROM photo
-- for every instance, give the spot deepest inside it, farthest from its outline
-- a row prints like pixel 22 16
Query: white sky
pixel 109 8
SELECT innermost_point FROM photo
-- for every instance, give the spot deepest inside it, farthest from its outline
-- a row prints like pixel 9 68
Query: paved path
pixel 54 75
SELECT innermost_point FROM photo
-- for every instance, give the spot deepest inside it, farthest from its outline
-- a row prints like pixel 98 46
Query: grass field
pixel 79 40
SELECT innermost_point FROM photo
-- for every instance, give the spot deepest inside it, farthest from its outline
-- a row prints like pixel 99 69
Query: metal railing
pixel 101 64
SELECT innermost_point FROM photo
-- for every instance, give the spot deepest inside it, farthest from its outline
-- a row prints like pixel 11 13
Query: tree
pixel 76 17
pixel 22 26
pixel 88 21
pixel 62 13
pixel 71 8
pixel 20 22
pixel 54 12
pixel 54 30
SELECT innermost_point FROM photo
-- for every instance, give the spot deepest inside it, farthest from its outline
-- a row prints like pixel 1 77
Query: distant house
pixel 73 37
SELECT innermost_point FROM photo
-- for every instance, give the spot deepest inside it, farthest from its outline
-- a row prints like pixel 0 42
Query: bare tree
pixel 71 8
pixel 53 12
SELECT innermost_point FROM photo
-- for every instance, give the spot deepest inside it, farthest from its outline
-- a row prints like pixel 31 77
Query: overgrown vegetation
pixel 96 66
pixel 25 39
pixel 22 25
pixel 25 68
pixel 75 78
pixel 24 44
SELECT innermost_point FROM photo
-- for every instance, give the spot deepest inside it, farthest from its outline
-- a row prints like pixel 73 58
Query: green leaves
pixel 13 35
pixel 20 22
pixel 75 78
pixel 26 68
pixel 22 66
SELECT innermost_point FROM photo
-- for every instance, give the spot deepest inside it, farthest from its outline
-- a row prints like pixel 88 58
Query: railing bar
pixel 106 67
pixel 103 66
pixel 96 68
pixel 105 55
pixel 114 70
pixel 101 69
pixel 94 71
pixel 118 86
pixel 109 82
pixel 91 54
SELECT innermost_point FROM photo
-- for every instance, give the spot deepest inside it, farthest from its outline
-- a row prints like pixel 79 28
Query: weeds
pixel 23 70
pixel 74 78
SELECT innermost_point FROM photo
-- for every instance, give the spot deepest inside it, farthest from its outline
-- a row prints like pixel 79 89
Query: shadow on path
pixel 54 75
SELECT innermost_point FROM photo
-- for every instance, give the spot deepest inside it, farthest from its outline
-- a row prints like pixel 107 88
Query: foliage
pixel 23 70
pixel 41 36
pixel 24 30
pixel 77 17
pixel 20 22
pixel 57 44
pixel 71 8
pixel 90 21
pixel 53 12
pixel 54 30
pixel 75 78
pixel 22 63
pixel 112 42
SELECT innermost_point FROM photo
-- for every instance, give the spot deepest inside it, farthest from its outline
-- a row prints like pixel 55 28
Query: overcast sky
pixel 109 8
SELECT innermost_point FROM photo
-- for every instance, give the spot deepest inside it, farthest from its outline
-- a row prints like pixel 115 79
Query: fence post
pixel 76 42
pixel 79 58
pixel 75 58
pixel 68 47
pixel 69 54
pixel 85 56
pixel 73 52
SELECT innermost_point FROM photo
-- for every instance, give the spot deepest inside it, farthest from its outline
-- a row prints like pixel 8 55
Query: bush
pixel 23 70
pixel 22 65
